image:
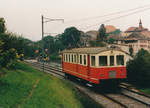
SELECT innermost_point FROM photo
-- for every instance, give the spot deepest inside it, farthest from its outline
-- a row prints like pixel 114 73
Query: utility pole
pixel 46 20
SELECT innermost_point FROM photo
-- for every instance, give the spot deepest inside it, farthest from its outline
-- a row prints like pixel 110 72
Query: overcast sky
pixel 24 16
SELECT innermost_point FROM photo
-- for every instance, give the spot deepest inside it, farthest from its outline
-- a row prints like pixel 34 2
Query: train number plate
pixel 112 74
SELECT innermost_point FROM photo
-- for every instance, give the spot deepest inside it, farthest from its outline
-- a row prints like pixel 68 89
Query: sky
pixel 24 16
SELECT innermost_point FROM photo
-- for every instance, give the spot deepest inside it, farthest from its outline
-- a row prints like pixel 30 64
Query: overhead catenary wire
pixel 115 18
pixel 110 14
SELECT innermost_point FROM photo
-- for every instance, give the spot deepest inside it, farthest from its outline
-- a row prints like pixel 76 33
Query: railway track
pixel 124 99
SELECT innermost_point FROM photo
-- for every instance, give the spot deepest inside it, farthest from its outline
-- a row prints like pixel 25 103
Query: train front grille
pixel 112 74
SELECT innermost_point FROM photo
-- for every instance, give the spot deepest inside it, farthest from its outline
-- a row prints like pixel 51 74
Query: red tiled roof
pixel 110 28
pixel 146 33
pixel 131 29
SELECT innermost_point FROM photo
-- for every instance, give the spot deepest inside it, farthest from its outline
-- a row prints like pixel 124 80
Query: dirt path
pixel 31 92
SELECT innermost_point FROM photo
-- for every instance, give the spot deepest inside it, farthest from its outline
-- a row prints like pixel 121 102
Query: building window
pixel 80 59
pixel 111 60
pixel 92 60
pixel 84 59
pixel 120 60
pixel 102 60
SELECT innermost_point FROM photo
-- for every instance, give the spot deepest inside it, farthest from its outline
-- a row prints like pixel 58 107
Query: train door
pixel 88 65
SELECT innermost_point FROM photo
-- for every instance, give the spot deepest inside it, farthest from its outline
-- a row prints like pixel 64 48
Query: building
pixel 136 41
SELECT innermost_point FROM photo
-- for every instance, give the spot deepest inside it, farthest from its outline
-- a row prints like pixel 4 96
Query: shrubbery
pixel 139 69
pixel 10 45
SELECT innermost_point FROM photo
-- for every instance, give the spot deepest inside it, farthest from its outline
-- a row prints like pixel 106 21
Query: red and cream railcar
pixel 95 64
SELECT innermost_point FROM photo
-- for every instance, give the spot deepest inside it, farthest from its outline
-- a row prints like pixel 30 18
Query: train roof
pixel 92 50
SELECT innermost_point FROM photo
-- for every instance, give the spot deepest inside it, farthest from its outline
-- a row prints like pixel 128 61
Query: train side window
pixel 84 59
pixel 69 57
pixel 80 59
pixel 72 58
pixel 111 60
pixel 102 60
pixel 92 60
pixel 75 59
pixel 120 60
pixel 64 56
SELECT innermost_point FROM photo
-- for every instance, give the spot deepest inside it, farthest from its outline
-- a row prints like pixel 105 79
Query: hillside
pixel 27 87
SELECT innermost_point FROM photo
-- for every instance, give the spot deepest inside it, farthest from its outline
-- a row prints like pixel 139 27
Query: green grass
pixel 145 90
pixel 50 92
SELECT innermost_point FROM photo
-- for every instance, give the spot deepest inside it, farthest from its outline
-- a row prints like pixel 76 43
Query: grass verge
pixel 16 91
pixel 145 90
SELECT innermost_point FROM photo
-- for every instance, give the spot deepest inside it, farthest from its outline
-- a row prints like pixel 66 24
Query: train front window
pixel 102 60
pixel 120 60
pixel 80 59
pixel 111 60
pixel 92 60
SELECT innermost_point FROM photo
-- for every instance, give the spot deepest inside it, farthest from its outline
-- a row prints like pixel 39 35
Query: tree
pixel 111 40
pixel 131 51
pixel 71 37
pixel 102 33
pixel 138 69
pixel 2 25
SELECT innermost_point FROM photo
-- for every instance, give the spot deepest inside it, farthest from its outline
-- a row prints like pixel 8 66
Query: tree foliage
pixel 2 25
pixel 97 44
pixel 10 45
pixel 138 69
pixel 102 33
pixel 71 37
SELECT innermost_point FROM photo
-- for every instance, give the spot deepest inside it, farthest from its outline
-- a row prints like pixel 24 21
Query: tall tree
pixel 71 37
pixel 102 33
pixel 2 25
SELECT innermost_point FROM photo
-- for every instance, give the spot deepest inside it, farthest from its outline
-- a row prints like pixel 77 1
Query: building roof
pixel 131 29
pixel 136 36
pixel 93 34
pixel 110 28
pixel 92 50
pixel 146 33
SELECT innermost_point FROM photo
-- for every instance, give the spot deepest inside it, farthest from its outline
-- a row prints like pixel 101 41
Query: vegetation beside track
pixel 21 88
pixel 145 90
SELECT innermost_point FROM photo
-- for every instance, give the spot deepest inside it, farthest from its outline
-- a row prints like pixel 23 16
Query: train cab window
pixel 120 60
pixel 72 58
pixel 84 59
pixel 111 60
pixel 92 60
pixel 75 59
pixel 102 60
pixel 80 59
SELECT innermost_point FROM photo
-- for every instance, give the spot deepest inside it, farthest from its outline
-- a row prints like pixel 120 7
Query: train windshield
pixel 120 60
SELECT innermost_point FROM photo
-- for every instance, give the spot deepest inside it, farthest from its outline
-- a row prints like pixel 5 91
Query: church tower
pixel 140 25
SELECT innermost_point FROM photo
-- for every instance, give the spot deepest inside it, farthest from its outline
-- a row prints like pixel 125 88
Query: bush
pixel 138 69
pixel 55 58
pixel 8 58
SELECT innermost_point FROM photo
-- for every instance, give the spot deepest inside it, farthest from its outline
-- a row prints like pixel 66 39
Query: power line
pixel 116 18
pixel 106 15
